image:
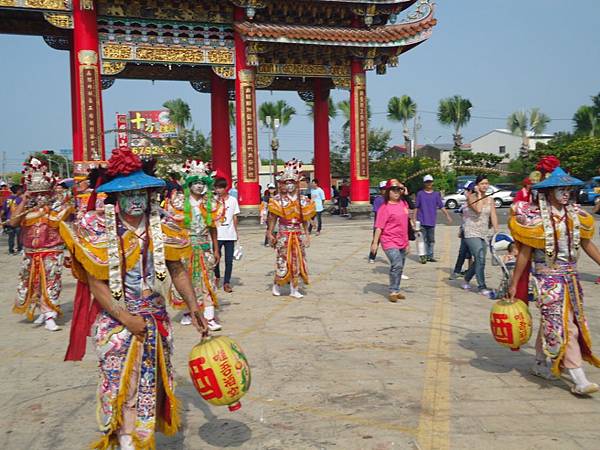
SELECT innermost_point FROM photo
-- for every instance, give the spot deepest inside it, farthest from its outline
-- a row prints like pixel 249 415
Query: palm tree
pixel 587 121
pixel 524 124
pixel 310 107
pixel 344 108
pixel 278 110
pixel 455 111
pixel 179 113
pixel 402 110
pixel 232 114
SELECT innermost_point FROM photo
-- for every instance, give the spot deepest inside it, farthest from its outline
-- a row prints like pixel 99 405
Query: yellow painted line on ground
pixel 434 420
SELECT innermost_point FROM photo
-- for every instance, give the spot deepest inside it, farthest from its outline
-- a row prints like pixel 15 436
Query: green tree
pixel 524 124
pixel 278 110
pixel 190 144
pixel 179 113
pixel 587 121
pixel 578 155
pixel 58 164
pixel 332 112
pixel 232 114
pixel 402 110
pixel 344 108
pixel 456 112
pixel 378 142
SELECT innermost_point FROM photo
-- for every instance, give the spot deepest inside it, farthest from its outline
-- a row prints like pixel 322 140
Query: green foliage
pixel 268 162
pixel 13 178
pixel 344 108
pixel 587 121
pixel 191 144
pixel 456 112
pixel 278 110
pixel 579 155
pixel 332 112
pixel 379 142
pixel 411 172
pixel 402 110
pixel 179 113
pixel 521 123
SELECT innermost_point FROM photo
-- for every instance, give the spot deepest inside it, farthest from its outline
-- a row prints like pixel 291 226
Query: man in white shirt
pixel 318 196
pixel 227 232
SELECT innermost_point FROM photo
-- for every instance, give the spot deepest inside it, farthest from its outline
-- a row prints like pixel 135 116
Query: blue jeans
pixel 463 255
pixel 228 257
pixel 396 257
pixel 14 235
pixel 429 238
pixel 478 248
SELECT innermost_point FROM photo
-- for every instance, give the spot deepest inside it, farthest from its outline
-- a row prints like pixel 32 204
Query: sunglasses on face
pixel 396 188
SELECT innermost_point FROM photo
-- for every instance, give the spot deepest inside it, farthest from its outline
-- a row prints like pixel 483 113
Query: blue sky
pixel 503 55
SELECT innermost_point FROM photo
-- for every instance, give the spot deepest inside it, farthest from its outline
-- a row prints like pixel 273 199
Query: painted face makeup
pixel 133 203
pixel 562 195
pixel 290 187
pixel 198 188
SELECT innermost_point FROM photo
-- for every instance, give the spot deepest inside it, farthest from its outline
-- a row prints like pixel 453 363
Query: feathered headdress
pixel 291 171
pixel 37 177
pixel 196 171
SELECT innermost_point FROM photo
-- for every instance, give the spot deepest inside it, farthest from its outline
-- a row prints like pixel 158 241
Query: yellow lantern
pixel 510 323
pixel 220 371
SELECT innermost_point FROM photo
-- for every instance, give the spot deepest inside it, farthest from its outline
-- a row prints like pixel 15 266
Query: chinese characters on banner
pixel 122 138
pixel 249 144
pixel 362 154
pixel 90 114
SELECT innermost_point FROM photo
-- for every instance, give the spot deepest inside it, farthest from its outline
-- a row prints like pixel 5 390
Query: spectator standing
pixel 524 194
pixel 264 208
pixel 378 201
pixel 318 196
pixel 463 252
pixel 428 202
pixel 8 207
pixel 227 232
pixel 391 230
pixel 478 215
pixel 344 195
pixel 233 192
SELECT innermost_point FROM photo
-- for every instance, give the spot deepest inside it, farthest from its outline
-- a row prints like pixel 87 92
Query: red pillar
pixel 221 141
pixel 321 136
pixel 245 124
pixel 87 85
pixel 359 154
pixel 77 150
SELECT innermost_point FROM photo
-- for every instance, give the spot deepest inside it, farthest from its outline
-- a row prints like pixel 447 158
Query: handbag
pixel 411 231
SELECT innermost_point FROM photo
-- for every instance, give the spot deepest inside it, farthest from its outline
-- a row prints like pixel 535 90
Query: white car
pixel 501 198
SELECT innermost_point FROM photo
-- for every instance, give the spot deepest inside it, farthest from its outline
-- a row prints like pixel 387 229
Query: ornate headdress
pixel 196 171
pixel 291 171
pixel 37 177
pixel 125 169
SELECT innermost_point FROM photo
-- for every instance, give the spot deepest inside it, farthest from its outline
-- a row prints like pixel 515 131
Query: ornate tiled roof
pixel 384 35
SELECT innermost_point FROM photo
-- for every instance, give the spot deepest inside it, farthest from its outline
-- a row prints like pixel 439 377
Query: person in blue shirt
pixel 317 195
pixel 233 191
pixel 14 233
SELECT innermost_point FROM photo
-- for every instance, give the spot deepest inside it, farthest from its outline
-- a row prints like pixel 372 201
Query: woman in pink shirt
pixel 391 230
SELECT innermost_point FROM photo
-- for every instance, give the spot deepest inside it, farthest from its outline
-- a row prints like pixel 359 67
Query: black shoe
pixel 423 259
pixel 431 259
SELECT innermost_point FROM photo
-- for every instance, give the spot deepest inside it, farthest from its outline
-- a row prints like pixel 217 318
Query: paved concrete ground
pixel 340 369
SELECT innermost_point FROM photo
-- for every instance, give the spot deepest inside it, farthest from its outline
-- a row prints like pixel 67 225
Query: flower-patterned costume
pixel 559 294
pixel 41 270
pixel 201 263
pixel 121 355
pixel 290 264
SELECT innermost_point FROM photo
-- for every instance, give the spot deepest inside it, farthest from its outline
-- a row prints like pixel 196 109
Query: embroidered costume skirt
pixel 290 264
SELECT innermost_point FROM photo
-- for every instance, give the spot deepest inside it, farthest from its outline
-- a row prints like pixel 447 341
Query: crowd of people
pixel 135 246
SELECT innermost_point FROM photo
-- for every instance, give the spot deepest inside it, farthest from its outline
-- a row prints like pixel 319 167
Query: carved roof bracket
pixel 64 21
pixel 58 42
pixel 226 72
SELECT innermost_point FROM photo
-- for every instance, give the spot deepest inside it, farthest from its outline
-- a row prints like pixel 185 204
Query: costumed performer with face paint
pixel 199 211
pixel 292 212
pixel 38 216
pixel 551 234
pixel 123 252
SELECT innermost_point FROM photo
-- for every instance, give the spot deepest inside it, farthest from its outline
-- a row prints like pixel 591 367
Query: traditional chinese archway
pixel 229 49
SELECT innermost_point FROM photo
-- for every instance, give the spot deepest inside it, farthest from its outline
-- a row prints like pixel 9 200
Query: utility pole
pixel 3 165
pixel 416 127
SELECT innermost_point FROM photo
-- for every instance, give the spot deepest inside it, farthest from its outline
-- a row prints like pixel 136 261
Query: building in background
pixel 503 143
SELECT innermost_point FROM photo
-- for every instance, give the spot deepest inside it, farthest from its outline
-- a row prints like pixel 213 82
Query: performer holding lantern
pixel 39 216
pixel 122 253
pixel 199 211
pixel 551 233
pixel 293 212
